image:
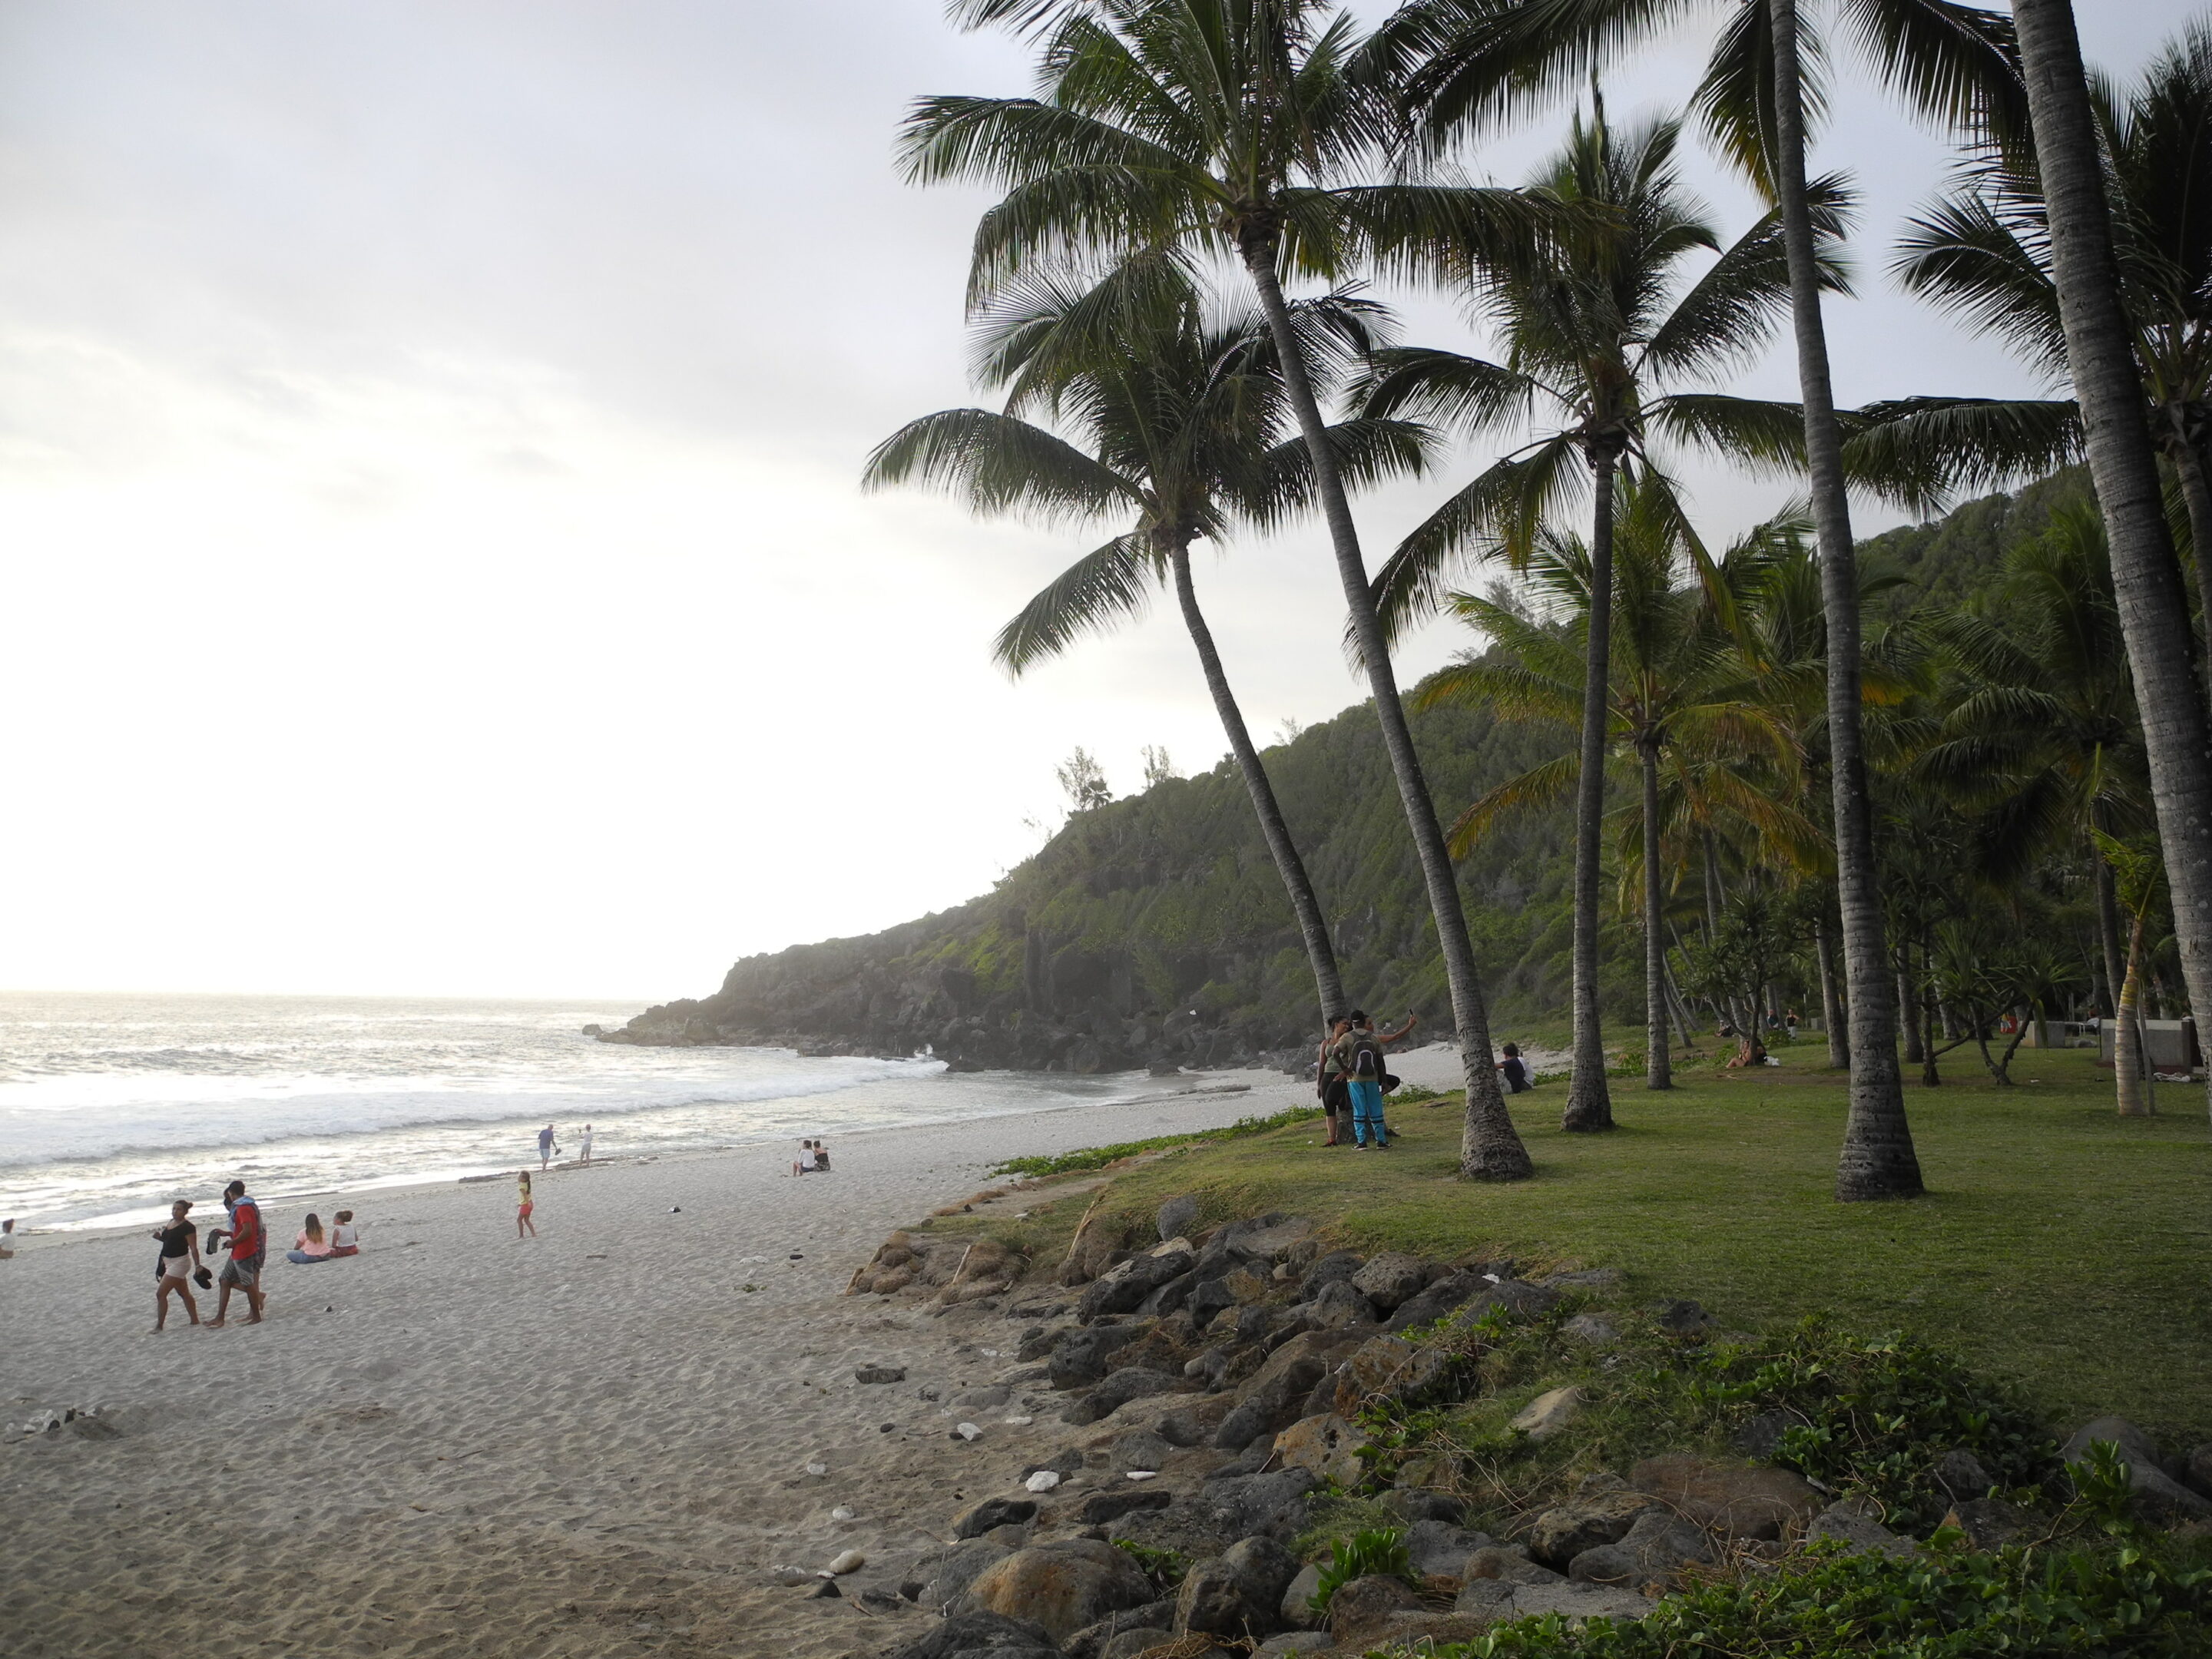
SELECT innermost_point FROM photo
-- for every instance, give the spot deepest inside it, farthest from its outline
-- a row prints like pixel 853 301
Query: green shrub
pixel 1166 1568
pixel 1097 1157
pixel 1382 1550
pixel 2115 1603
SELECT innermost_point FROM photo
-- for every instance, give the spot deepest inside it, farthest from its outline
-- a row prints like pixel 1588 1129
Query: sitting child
pixel 345 1237
pixel 806 1164
pixel 311 1245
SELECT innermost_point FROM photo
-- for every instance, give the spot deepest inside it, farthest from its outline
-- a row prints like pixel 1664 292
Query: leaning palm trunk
pixel 1590 1100
pixel 1831 1007
pixel 2108 934
pixel 2196 497
pixel 2130 1053
pixel 1658 1063
pixel 1319 952
pixel 1490 1146
pixel 2099 353
pixel 1878 1160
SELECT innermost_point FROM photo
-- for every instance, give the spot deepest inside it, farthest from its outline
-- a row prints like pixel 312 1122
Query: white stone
pixel 967 1431
pixel 842 1512
pixel 1018 1422
pixel 817 1468
pixel 1142 1474
pixel 1548 1413
pixel 1042 1480
pixel 850 1561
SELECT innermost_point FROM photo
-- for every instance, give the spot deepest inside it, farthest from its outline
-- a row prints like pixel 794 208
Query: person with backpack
pixel 1360 1060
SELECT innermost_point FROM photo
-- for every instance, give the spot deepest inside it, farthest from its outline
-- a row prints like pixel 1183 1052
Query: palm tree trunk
pixel 1714 899
pixel 2099 351
pixel 1658 1063
pixel 1878 1160
pixel 1909 1002
pixel 1589 1098
pixel 1490 1146
pixel 2131 1058
pixel 1832 1009
pixel 2108 932
pixel 2197 496
pixel 1319 952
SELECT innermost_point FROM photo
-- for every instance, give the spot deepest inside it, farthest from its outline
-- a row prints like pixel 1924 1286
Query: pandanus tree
pixel 1600 349
pixel 1677 695
pixel 1176 428
pixel 1236 128
pixel 1983 252
pixel 2101 358
pixel 1467 64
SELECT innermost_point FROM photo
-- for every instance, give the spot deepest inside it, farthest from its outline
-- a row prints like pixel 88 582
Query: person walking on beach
pixel 249 1249
pixel 180 1254
pixel 523 1224
pixel 587 1143
pixel 545 1147
pixel 1328 1079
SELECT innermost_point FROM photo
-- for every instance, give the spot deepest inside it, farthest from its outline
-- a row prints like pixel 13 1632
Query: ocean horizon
pixel 114 1104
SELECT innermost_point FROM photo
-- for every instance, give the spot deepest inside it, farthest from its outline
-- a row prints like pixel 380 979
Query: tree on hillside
pixel 1180 434
pixel 1679 699
pixel 1235 127
pixel 2122 462
pixel 1159 766
pixel 1592 342
pixel 1083 781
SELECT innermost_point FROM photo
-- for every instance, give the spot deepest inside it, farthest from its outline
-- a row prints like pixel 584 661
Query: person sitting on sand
pixel 821 1157
pixel 345 1237
pixel 523 1224
pixel 1514 1070
pixel 180 1254
pixel 249 1250
pixel 804 1165
pixel 310 1245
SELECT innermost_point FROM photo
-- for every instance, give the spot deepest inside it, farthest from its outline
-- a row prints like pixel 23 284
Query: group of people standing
pixel 1352 1079
pixel 179 1267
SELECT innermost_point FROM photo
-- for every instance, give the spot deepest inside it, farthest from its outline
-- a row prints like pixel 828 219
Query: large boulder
pixel 1328 1445
pixel 939 1578
pixel 1099 1507
pixel 2158 1496
pixel 1096 1242
pixel 1599 1513
pixel 1176 1216
pixel 1120 1289
pixel 1155 1619
pixel 1739 1499
pixel 1989 1523
pixel 1082 1357
pixel 1576 1603
pixel 1390 1279
pixel 1274 1400
pixel 1297 1609
pixel 978 1631
pixel 1443 1295
pixel 1549 1412
pixel 1337 1304
pixel 1511 1563
pixel 1062 1586
pixel 1961 1473
pixel 1517 1297
pixel 1242 1504
pixel 1357 1608
pixel 1652 1551
pixel 2197 1470
pixel 1855 1524
pixel 981 1517
pixel 1391 1368
pixel 1239 1592
pixel 1130 1383
pixel 1335 1265
pixel 1440 1549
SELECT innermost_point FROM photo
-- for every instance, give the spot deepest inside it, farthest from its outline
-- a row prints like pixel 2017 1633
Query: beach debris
pixel 824 1590
pixel 887 1428
pixel 1018 1422
pixel 49 1422
pixel 879 1374
pixel 817 1468
pixel 848 1561
pixel 675 1209
pixel 967 1431
pixel 1042 1480
pixel 842 1512
pixel 929 1391
pixel 1142 1474
pixel 790 1577
pixel 750 1289
pixel 799 1256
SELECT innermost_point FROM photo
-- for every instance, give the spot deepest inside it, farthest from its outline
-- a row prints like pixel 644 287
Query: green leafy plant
pixel 1413 1094
pixel 1381 1550
pixel 1166 1568
pixel 2103 1489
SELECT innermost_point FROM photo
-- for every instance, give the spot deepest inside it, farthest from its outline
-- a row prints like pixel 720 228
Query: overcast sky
pixel 428 436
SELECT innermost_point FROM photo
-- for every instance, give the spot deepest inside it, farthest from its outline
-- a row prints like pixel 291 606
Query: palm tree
pixel 1982 252
pixel 2123 463
pixel 1180 423
pixel 1677 694
pixel 1475 61
pixel 1594 339
pixel 1231 126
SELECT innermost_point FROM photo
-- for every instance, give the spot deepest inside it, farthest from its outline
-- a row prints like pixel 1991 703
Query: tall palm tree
pixel 1678 695
pixel 1182 424
pixel 1472 61
pixel 2122 464
pixel 1595 340
pixel 1235 127
pixel 1982 252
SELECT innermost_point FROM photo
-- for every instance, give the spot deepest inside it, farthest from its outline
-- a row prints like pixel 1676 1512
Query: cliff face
pixel 1154 930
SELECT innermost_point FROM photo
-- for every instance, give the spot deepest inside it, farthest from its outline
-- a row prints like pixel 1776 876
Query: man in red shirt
pixel 249 1249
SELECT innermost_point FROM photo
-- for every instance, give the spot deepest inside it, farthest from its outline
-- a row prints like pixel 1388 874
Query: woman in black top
pixel 180 1254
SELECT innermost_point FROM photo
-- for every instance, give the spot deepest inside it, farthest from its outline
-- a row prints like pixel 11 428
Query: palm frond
pixel 1094 595
pixel 1000 465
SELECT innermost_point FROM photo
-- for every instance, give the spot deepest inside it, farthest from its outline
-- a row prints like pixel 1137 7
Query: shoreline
pixel 559 1446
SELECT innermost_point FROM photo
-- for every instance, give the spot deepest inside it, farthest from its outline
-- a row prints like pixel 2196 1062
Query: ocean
pixel 112 1105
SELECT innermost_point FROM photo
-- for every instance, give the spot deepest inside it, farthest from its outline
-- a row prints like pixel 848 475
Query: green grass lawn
pixel 2058 1244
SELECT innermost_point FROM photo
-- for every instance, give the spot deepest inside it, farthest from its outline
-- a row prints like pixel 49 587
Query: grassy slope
pixel 2059 1243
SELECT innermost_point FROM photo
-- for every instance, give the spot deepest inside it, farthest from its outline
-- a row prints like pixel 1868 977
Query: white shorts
pixel 175 1267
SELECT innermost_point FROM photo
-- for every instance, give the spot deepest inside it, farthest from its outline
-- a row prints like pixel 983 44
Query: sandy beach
pixel 594 1442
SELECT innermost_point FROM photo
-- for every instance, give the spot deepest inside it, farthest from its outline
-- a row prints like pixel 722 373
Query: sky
pixel 429 437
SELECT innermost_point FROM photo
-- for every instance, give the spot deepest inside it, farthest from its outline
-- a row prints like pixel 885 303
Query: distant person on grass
pixel 1515 1072
pixel 1359 1058
pixel 180 1254
pixel 1328 1080
pixel 523 1224
pixel 545 1147
pixel 249 1249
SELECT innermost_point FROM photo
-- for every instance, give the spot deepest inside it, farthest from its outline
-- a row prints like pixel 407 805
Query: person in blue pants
pixel 1360 1061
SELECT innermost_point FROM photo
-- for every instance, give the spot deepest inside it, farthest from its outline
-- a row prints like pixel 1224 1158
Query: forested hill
pixel 1154 929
